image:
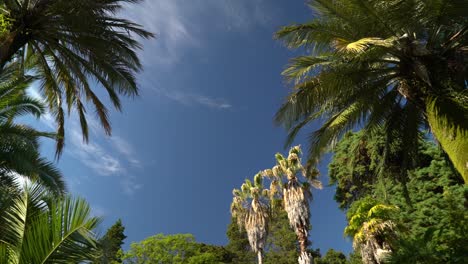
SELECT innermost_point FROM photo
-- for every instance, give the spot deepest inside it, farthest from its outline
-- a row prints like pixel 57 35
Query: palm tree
pixel 71 45
pixel 38 227
pixel 296 195
pixel 252 213
pixel 19 144
pixel 400 65
pixel 372 229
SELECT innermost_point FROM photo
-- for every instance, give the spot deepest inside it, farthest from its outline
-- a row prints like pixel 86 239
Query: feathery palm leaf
pixel 71 45
pixel 19 144
pixel 40 228
pixel 394 64
pixel 373 231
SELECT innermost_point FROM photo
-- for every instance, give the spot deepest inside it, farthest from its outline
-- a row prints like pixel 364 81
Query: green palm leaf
pixel 377 64
pixel 69 46
pixel 39 228
pixel 19 144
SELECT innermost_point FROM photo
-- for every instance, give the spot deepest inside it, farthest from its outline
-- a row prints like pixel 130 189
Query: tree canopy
pixel 396 65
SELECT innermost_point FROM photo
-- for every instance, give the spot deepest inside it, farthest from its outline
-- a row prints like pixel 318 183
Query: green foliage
pixel 179 248
pixel 438 222
pixel 354 167
pixel 434 226
pixel 454 138
pixel 111 243
pixel 70 47
pixel 39 227
pixel 5 25
pixel 19 144
pixel 365 211
pixel 355 258
pixel 332 257
pixel 397 65
pixel 238 244
pixel 282 246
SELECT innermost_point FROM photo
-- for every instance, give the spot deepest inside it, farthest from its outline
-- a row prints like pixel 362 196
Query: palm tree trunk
pixel 367 253
pixel 260 256
pixel 304 257
pixel 454 141
pixel 10 45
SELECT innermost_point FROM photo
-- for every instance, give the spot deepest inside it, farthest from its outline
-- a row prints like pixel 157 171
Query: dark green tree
pixel 355 258
pixel 434 225
pixel 111 243
pixel 238 244
pixel 282 245
pixel 332 257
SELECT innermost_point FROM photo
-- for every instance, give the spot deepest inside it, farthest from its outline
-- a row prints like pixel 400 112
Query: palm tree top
pixel 19 144
pixel 69 46
pixel 392 65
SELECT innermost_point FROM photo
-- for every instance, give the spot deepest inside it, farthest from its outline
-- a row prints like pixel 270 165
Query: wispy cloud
pixel 103 161
pixel 191 99
pixel 93 155
pixel 244 14
pixel 96 154
pixel 126 149
pixel 180 24
pixel 166 19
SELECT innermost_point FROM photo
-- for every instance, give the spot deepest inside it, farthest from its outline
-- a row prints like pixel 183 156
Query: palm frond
pixel 43 229
pixel 70 46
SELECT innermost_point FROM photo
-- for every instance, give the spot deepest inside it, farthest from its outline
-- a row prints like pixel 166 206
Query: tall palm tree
pixel 38 227
pixel 372 229
pixel 71 45
pixel 296 195
pixel 395 64
pixel 252 213
pixel 19 144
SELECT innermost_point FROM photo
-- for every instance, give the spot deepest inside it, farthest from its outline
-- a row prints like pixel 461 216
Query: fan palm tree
pixel 296 195
pixel 252 213
pixel 19 144
pixel 372 229
pixel 72 45
pixel 38 227
pixel 396 64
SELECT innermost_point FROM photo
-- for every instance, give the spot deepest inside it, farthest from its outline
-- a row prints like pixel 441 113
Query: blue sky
pixel 202 123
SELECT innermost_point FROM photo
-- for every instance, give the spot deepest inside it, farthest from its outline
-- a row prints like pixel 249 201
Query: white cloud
pixel 94 155
pixel 126 149
pixel 130 186
pixel 165 18
pixel 104 162
pixel 190 99
pixel 99 211
pixel 179 24
pixel 244 14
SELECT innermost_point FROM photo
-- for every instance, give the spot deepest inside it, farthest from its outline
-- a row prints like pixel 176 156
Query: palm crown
pixel 37 227
pixel 252 212
pixel 71 45
pixel 296 194
pixel 19 144
pixel 395 64
pixel 372 229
